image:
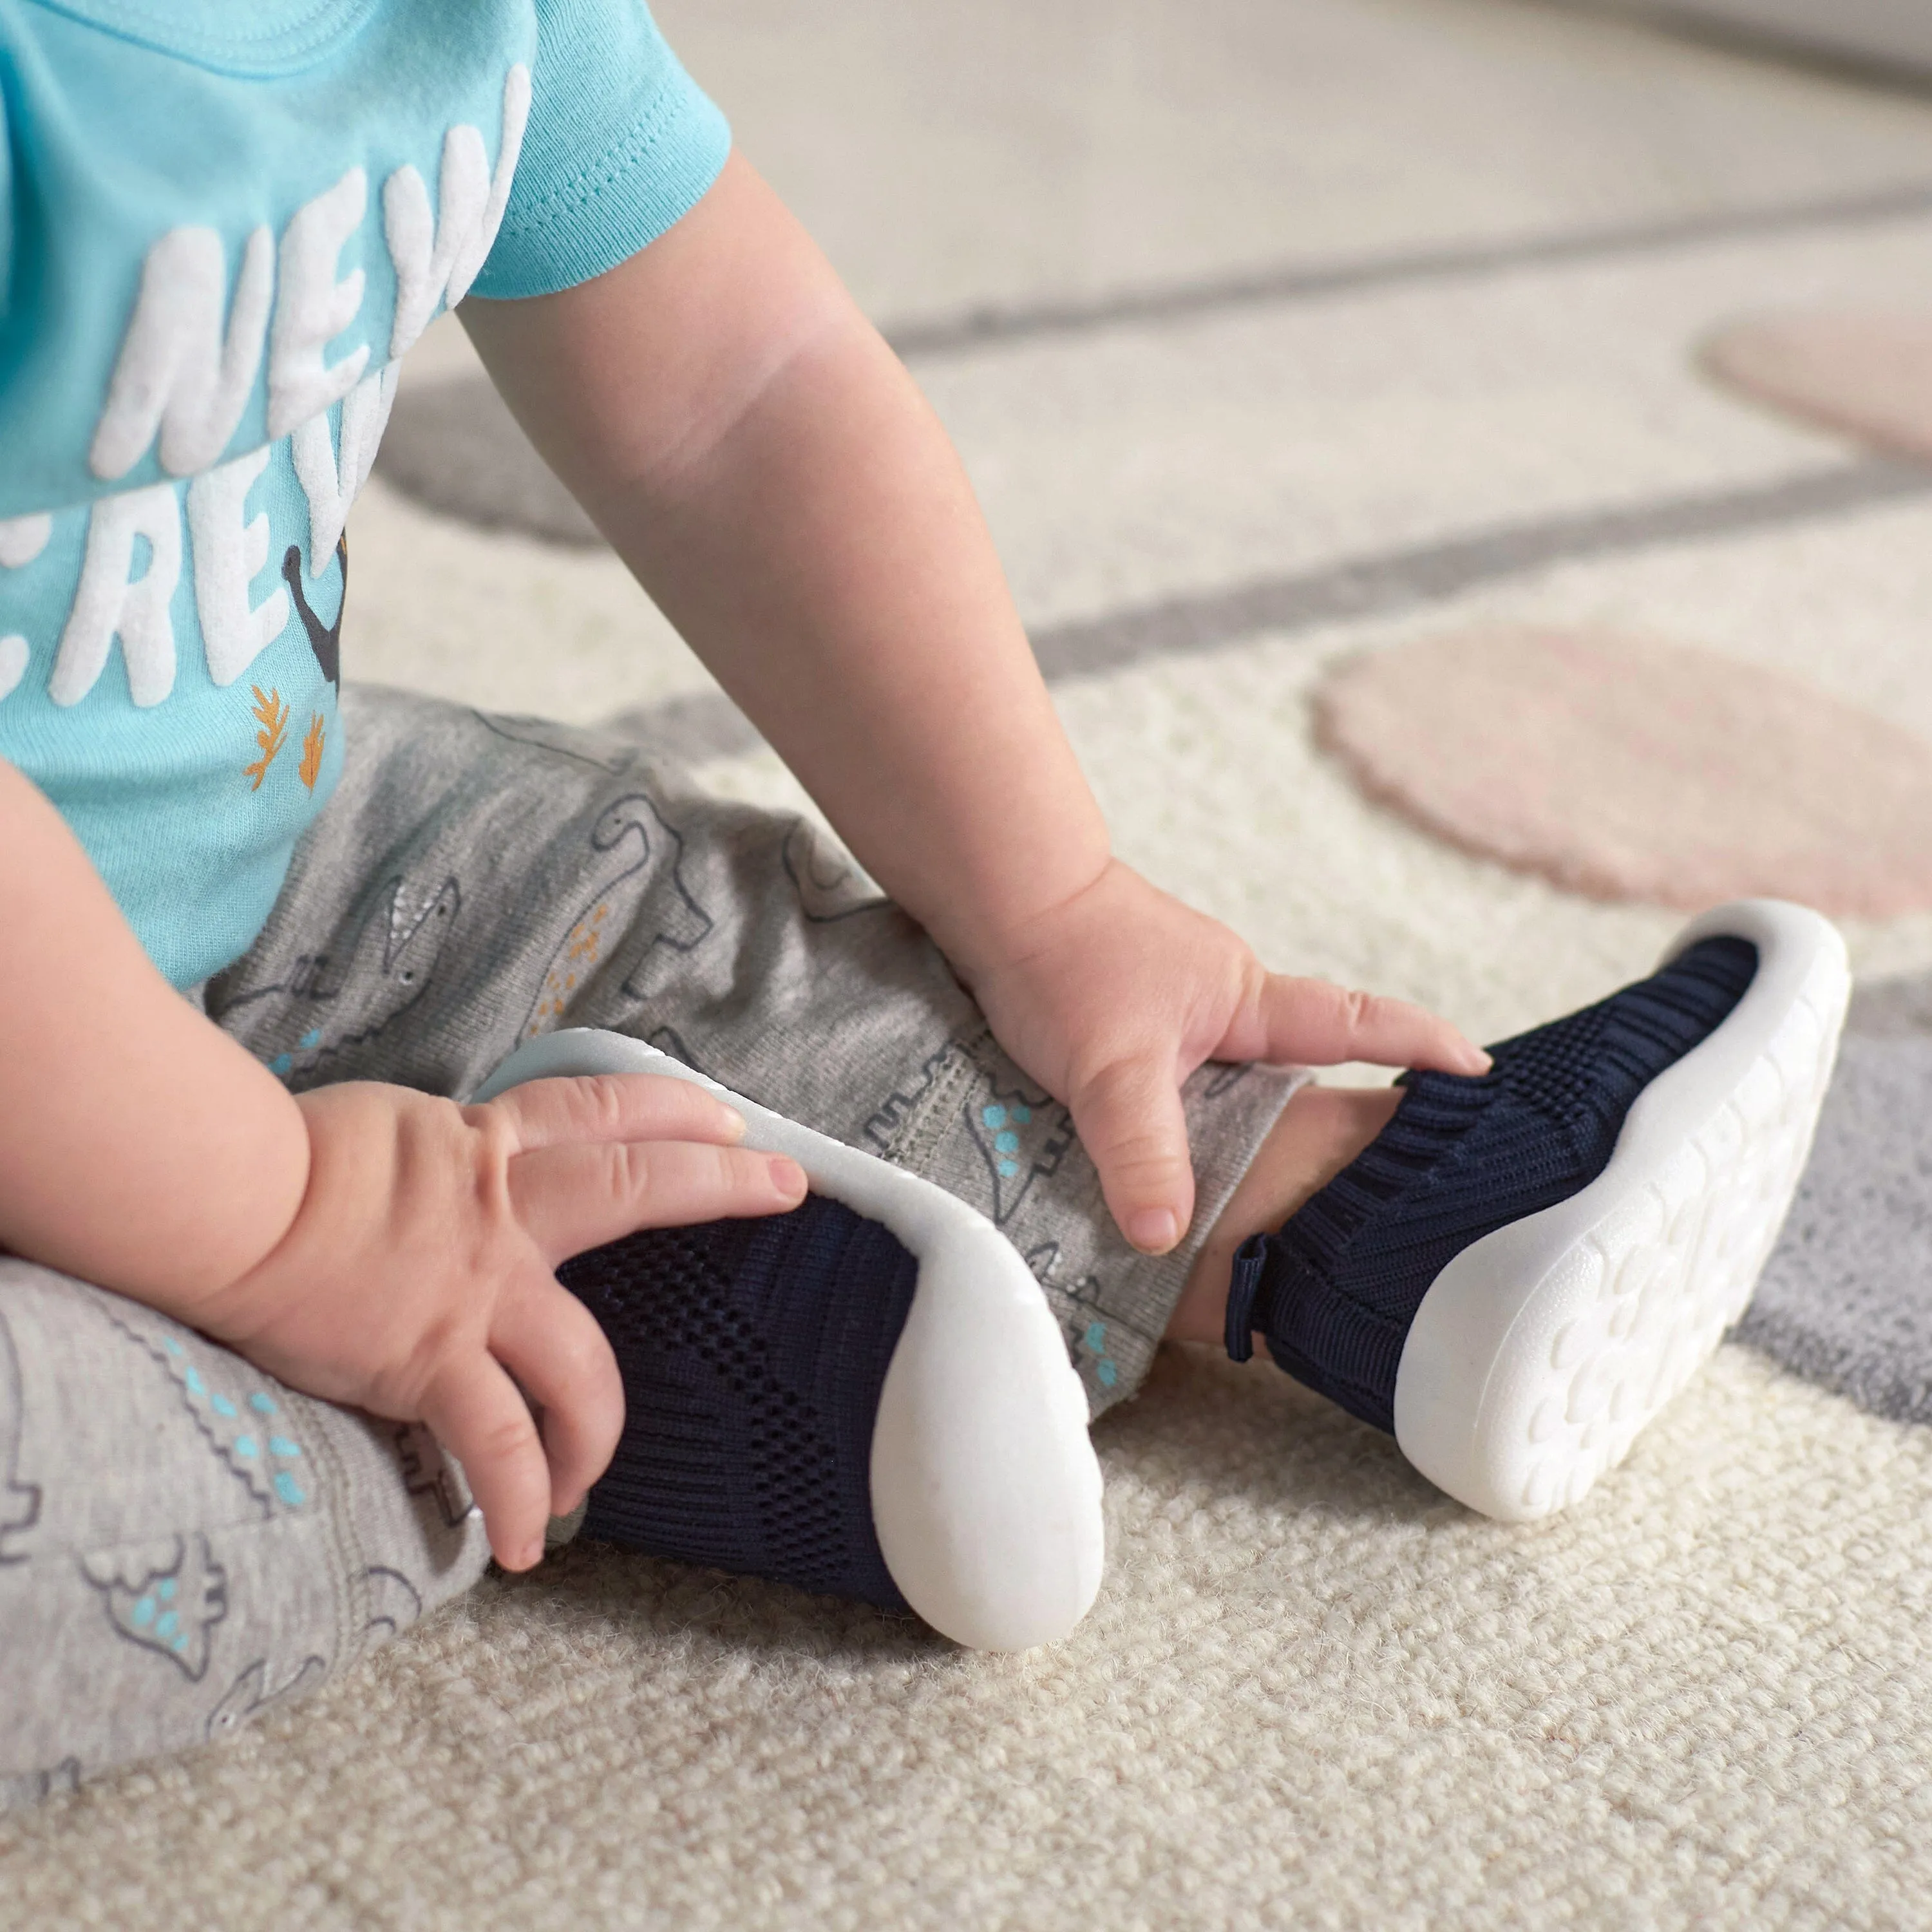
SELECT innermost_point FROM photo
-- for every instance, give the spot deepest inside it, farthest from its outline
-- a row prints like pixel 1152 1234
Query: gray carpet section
pixel 454 446
pixel 1303 281
pixel 1892 1009
pixel 1847 1299
pixel 1418 573
pixel 708 725
pixel 1876 44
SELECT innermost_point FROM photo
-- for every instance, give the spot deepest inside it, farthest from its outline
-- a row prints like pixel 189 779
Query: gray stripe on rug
pixel 707 724
pixel 454 445
pixel 1846 1298
pixel 1290 282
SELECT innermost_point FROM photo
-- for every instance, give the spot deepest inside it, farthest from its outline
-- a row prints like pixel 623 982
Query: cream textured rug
pixel 1274 337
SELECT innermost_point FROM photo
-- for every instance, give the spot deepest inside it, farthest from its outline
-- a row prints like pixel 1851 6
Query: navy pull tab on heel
pixel 1243 1285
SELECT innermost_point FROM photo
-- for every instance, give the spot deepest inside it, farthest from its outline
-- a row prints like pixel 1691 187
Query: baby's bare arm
pixel 368 1244
pixel 772 474
pixel 140 1146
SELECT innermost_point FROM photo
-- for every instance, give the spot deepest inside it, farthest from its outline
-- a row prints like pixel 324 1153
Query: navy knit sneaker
pixel 753 1353
pixel 868 1397
pixel 1523 1268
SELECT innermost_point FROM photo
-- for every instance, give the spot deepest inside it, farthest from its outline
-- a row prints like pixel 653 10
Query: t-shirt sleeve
pixel 621 144
pixel 6 209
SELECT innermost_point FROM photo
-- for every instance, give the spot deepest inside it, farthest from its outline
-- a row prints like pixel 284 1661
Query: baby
pixel 263 936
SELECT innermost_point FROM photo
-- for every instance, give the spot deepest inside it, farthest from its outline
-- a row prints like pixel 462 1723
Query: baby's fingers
pixel 615 1107
pixel 569 1199
pixel 1315 1023
pixel 479 1417
pixel 550 1342
pixel 1129 1120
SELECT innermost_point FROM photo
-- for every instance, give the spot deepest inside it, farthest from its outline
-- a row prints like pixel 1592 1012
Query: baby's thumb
pixel 1129 1120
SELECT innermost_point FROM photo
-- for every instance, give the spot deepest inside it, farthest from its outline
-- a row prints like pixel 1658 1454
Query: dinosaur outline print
pixel 403 941
pixel 394 1603
pixel 248 1696
pixel 426 1472
pixel 165 1596
pixel 829 885
pixel 626 829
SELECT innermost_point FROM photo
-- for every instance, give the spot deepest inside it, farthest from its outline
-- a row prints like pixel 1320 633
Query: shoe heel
pixel 1539 1353
pixel 985 1490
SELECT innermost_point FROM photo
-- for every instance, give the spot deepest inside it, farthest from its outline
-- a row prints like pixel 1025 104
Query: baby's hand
pixel 417 1278
pixel 1114 998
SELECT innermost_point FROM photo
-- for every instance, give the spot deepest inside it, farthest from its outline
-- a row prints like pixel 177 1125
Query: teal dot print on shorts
pixel 1020 1114
pixel 246 1445
pixel 281 1063
pixel 1108 1374
pixel 290 1491
pixel 196 1386
pixel 167 1623
pixel 222 1406
pixel 1008 1168
pixel 1008 1142
pixel 142 1614
pixel 994 1117
pixel 312 1037
pixel 165 1589
pixel 173 1347
pixel 280 1445
pixel 1096 1336
pixel 262 1405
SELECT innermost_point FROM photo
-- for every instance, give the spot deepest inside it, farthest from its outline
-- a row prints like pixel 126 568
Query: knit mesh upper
pixel 1335 1291
pixel 752 1354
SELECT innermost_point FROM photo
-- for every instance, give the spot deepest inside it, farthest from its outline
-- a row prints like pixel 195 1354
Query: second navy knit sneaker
pixel 867 1396
pixel 1523 1267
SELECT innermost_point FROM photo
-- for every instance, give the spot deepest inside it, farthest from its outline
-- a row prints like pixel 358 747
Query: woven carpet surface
pixel 1274 337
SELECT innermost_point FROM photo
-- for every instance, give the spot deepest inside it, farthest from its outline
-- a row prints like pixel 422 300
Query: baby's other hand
pixel 1111 999
pixel 417 1281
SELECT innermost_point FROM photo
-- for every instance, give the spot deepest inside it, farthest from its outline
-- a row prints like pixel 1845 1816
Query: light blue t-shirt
pixel 222 223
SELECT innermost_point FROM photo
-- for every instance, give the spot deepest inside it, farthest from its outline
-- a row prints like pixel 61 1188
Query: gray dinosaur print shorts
pixel 185 1541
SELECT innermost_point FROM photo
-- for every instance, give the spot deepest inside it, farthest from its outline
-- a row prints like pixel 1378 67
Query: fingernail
pixel 734 1120
pixel 1481 1060
pixel 1154 1230
pixel 533 1554
pixel 788 1178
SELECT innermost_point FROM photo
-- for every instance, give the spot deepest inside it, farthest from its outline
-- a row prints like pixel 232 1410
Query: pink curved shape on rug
pixel 1866 373
pixel 1625 767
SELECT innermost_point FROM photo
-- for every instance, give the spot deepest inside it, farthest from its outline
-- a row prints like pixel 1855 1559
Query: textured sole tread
pixel 1636 1298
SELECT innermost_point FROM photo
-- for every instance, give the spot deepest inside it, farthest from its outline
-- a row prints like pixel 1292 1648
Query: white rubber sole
pixel 985 1489
pixel 1540 1351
